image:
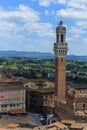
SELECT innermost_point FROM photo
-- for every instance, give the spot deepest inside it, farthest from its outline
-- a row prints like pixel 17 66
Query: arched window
pixel 61 37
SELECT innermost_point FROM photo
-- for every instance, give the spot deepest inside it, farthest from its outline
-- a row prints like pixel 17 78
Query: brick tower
pixel 60 51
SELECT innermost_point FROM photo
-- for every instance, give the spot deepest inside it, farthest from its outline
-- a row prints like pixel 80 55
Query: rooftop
pixel 9 81
pixel 13 85
pixel 39 84
pixel 45 90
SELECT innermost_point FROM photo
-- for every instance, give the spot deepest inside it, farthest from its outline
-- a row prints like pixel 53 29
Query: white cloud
pixel 71 13
pixel 10 30
pixel 44 3
pixel 85 40
pixel 47 3
pixel 75 30
pixel 50 13
pixel 82 24
pixel 23 20
pixel 81 4
pixel 47 12
pixel 22 13
pixel 77 48
pixel 22 29
pixel 77 45
pixel 40 44
pixel 6 26
pixel 62 1
pixel 40 28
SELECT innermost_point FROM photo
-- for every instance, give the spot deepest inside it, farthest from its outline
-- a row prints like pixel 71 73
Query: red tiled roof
pixel 9 80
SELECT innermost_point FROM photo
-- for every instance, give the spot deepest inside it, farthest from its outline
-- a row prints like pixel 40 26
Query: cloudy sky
pixel 29 25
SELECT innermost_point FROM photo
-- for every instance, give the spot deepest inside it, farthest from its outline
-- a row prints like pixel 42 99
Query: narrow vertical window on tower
pixel 61 37
pixel 57 38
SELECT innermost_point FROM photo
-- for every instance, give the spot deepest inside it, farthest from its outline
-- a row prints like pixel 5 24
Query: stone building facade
pixel 41 100
pixel 12 98
pixel 77 99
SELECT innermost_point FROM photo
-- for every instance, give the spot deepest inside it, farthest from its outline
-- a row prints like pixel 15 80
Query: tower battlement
pixel 60 50
pixel 60 46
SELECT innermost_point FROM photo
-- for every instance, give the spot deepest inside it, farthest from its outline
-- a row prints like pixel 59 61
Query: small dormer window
pixel 61 37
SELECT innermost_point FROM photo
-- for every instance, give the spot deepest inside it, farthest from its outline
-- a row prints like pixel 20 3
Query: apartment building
pixel 12 98
pixel 40 100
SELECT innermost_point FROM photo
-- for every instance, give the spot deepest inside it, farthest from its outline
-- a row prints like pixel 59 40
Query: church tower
pixel 60 51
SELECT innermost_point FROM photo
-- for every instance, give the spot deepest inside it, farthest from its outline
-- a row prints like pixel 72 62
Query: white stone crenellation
pixel 60 50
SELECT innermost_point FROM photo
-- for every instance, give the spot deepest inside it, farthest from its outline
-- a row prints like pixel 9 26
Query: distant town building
pixel 12 98
pixel 39 84
pixel 40 96
pixel 41 100
pixel 77 99
pixel 51 75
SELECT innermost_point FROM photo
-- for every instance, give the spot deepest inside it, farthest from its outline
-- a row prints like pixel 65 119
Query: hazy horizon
pixel 38 52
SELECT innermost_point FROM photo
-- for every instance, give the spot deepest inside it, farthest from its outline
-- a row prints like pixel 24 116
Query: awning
pixel 18 111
